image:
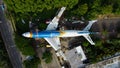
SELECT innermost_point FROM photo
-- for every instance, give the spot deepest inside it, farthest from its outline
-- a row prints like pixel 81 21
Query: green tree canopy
pixel 33 63
pixel 24 6
pixel 81 10
pixel 24 45
pixel 47 56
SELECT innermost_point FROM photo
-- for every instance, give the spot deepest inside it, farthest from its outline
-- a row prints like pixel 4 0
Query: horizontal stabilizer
pixel 89 25
pixel 89 39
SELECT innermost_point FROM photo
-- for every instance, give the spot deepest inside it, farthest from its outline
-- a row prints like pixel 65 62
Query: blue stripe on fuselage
pixel 84 32
pixel 45 34
pixel 87 32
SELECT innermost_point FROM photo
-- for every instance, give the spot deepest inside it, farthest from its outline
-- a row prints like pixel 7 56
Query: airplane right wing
pixel 89 39
pixel 54 42
pixel 54 23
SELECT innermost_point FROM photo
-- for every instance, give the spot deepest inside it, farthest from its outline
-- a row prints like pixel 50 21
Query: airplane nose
pixel 23 34
pixel 27 34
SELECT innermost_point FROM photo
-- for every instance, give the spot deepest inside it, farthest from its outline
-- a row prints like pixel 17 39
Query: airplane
pixel 52 36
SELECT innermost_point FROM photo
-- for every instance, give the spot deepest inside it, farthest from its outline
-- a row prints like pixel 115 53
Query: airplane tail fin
pixel 89 25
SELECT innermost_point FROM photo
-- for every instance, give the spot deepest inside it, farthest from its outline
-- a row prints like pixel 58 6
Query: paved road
pixel 6 32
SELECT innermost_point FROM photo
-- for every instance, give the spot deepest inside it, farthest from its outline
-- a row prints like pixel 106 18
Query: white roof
pixel 80 51
pixel 75 57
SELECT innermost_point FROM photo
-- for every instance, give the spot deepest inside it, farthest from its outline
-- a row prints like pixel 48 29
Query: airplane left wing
pixel 54 42
pixel 54 23
pixel 89 39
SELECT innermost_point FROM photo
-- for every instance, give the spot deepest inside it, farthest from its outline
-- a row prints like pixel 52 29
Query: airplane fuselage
pixel 54 33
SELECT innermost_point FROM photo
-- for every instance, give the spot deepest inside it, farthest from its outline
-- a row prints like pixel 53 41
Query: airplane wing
pixel 89 25
pixel 54 42
pixel 54 23
pixel 89 39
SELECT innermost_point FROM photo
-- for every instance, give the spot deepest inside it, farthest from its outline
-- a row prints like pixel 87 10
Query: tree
pixel 81 10
pixel 116 7
pixel 33 63
pixel 106 9
pixel 92 14
pixel 47 56
pixel 24 45
pixel 37 5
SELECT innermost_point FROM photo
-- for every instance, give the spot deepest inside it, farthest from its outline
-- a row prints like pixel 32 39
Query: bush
pixel 47 56
pixel 33 63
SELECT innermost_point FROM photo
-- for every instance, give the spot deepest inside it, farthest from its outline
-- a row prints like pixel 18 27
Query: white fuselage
pixel 73 33
pixel 50 34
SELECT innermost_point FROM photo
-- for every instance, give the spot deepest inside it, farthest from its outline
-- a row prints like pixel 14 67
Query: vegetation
pixel 102 50
pixel 45 9
pixel 24 45
pixel 32 63
pixel 25 6
pixel 47 56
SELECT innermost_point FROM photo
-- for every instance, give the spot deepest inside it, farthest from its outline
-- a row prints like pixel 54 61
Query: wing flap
pixel 54 42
